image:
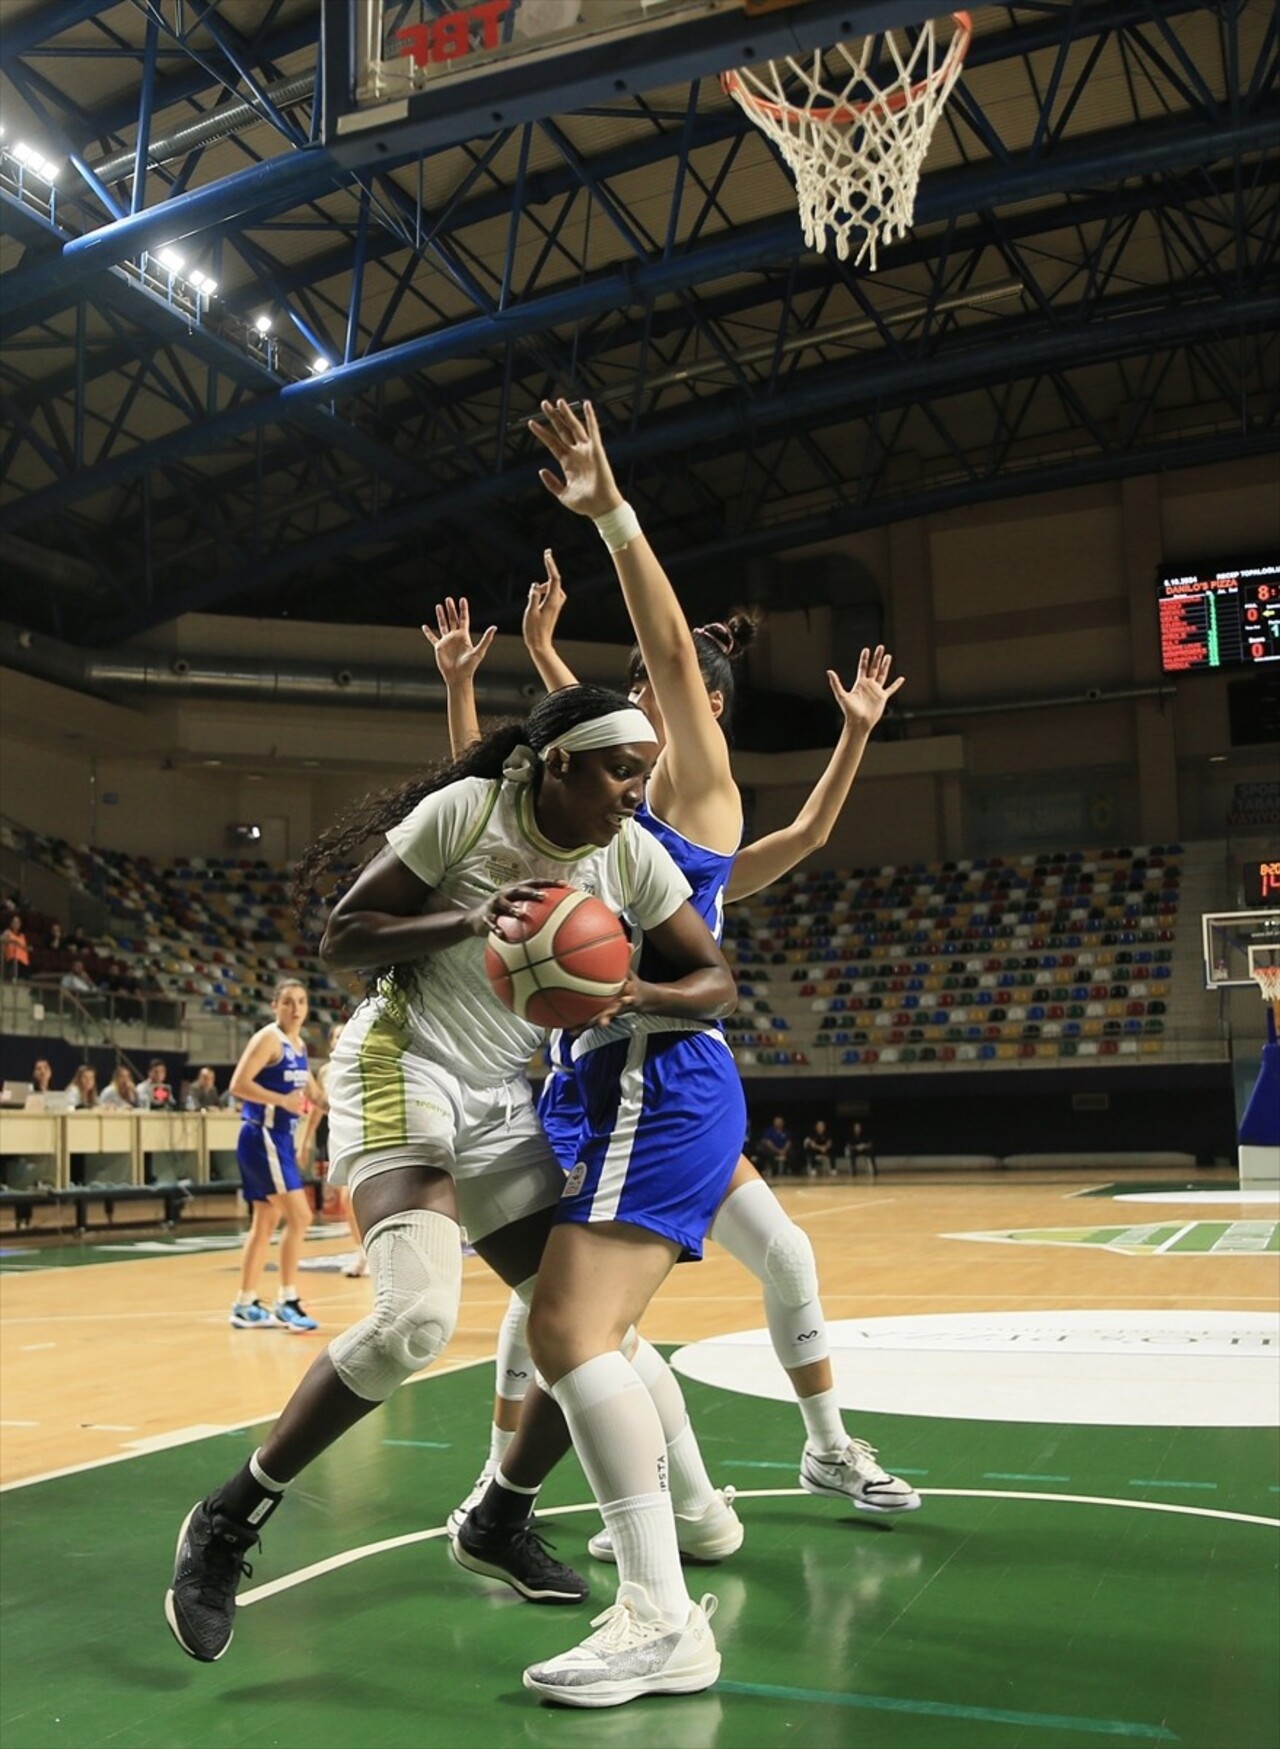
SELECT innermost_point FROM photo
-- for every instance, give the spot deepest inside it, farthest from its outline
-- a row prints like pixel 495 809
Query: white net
pixel 854 124
pixel 1267 979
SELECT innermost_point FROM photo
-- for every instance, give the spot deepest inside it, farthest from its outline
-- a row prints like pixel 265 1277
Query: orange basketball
pixel 562 962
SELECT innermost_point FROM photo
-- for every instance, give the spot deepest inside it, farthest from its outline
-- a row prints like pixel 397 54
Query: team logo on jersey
pixel 504 870
pixel 576 1179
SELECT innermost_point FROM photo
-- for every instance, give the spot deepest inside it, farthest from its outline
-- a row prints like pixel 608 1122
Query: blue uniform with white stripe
pixel 663 1111
pixel 264 1148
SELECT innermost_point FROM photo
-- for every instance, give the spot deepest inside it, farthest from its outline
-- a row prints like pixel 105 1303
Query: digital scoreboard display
pixel 1220 619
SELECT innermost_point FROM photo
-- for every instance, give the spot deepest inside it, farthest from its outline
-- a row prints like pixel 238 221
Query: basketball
pixel 562 962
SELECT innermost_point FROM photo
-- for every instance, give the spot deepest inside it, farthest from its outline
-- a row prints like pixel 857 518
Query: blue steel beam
pixel 820 395
pixel 45 21
pixel 1109 157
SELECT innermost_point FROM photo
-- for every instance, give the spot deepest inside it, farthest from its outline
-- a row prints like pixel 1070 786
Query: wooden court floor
pixel 1065 1582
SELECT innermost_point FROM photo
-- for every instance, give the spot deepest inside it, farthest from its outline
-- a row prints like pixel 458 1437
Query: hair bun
pixel 731 635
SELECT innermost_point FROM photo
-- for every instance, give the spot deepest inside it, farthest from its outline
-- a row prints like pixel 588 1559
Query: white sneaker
pixel 713 1536
pixel 634 1652
pixel 855 1475
pixel 453 1524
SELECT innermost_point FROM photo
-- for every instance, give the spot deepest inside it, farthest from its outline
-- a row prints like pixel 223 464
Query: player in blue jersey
pixel 274 1083
pixel 684 682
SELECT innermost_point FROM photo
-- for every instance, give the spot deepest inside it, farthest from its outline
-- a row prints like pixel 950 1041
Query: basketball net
pixel 854 126
pixel 1267 979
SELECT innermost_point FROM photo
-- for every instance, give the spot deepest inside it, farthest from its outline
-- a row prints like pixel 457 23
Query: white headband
pixel 614 729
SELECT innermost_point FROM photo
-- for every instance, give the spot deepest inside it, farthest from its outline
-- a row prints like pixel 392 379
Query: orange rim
pixel 843 115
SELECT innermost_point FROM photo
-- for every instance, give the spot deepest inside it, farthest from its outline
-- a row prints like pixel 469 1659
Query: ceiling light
pixel 211 762
pixel 1217 759
pixel 320 365
pixel 169 257
pixel 48 169
pixel 22 151
pixel 262 324
pixel 196 278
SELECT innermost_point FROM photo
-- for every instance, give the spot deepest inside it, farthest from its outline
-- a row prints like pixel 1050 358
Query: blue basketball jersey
pixel 288 1075
pixel 707 872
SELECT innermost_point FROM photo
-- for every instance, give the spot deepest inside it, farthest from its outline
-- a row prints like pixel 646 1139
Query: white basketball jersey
pixel 470 839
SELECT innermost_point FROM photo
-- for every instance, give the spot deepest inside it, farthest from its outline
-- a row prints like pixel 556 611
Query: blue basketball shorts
pixel 267 1163
pixel 561 1115
pixel 665 1115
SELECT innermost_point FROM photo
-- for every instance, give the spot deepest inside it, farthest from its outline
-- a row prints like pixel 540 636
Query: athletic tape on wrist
pixel 618 528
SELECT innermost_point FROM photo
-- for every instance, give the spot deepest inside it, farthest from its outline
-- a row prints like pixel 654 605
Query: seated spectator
pixel 124 989
pixel 15 950
pixel 203 1095
pixel 83 1088
pixel 122 1094
pixel 42 1076
pixel 53 938
pixel 774 1149
pixel 819 1151
pixel 155 1093
pixel 861 1151
pixel 77 980
pixel 79 943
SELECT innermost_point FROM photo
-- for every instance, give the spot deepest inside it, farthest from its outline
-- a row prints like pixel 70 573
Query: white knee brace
pixel 753 1227
pixel 415 1264
pixel 514 1363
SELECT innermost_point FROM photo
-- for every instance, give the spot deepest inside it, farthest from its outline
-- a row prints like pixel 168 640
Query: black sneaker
pixel 518 1556
pixel 200 1605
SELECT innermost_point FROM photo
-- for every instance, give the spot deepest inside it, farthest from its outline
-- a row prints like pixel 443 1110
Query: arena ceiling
pixel 1089 291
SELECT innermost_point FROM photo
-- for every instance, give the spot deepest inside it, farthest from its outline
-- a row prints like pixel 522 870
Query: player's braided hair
pixel 337 848
pixel 720 646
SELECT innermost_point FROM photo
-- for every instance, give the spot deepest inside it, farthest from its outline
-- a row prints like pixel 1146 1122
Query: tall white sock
pixel 617 1434
pixel 691 1488
pixel 823 1423
pixel 499 1440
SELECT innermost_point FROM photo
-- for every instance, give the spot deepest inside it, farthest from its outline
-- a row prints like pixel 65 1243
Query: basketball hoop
pixel 1267 978
pixel 855 133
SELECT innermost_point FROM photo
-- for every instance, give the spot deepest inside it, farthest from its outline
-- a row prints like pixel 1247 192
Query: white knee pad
pixel 753 1227
pixel 415 1264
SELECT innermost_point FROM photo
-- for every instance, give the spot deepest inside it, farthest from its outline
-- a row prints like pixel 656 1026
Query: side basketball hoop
pixel 854 125
pixel 1267 978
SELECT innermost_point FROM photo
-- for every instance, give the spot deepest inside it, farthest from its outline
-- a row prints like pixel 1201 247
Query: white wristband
pixel 618 528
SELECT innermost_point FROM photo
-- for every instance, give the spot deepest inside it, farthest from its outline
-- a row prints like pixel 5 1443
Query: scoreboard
pixel 1227 618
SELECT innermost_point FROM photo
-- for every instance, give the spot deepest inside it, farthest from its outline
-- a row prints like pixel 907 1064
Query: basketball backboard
pixel 404 76
pixel 1235 942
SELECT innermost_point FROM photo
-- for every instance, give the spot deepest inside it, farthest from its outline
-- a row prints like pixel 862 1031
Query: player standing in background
pixel 273 1081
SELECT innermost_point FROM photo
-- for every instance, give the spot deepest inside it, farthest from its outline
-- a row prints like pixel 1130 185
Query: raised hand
pixel 457 657
pixel 863 704
pixel 543 609
pixel 585 483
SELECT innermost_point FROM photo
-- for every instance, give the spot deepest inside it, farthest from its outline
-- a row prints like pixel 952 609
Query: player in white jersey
pixel 431 1117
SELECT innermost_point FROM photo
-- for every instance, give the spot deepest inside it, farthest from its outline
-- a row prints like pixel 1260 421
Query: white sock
pixel 823 1423
pixel 288 1293
pixel 691 1487
pixel 617 1434
pixel 499 1441
pixel 245 1298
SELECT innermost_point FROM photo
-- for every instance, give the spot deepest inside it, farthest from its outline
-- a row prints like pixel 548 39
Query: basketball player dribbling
pixel 431 1117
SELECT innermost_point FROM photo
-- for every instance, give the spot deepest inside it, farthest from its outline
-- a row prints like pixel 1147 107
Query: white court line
pixel 835 1208
pixel 194 1434
pixel 1180 1234
pixel 303 1575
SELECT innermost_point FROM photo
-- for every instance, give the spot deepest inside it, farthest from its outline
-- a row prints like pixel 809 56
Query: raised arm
pixel 539 628
pixel 696 754
pixel 457 658
pixel 861 706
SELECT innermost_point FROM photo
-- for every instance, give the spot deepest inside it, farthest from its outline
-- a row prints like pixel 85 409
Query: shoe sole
pixel 170 1614
pixel 888 1511
pixel 257 1324
pixel 706 1558
pixel 295 1329
pixel 488 1570
pixel 619 1693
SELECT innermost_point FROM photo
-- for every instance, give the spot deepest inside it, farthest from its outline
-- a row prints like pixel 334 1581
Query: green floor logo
pixel 1154 1239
